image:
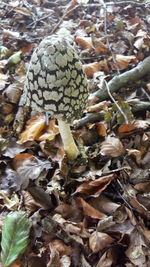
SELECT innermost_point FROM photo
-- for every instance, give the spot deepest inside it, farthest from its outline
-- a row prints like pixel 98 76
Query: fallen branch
pixel 92 117
pixel 123 79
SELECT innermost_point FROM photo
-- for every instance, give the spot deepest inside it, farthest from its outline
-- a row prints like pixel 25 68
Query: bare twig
pixel 118 107
pixel 62 18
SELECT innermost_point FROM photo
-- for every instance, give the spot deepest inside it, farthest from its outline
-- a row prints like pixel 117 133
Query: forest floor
pixel 95 210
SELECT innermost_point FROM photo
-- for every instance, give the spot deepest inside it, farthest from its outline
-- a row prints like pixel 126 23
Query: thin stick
pixel 118 107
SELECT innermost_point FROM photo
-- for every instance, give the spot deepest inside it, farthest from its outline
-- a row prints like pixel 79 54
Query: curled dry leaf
pixel 13 92
pixel 34 128
pixel 91 68
pixel 61 248
pixel 113 147
pixel 104 204
pixel 137 154
pixel 71 227
pixel 28 48
pixel 123 61
pixel 29 167
pixel 99 106
pixel 100 47
pixel 138 124
pixel 11 202
pixel 85 43
pixel 11 180
pixel 95 187
pixel 107 259
pixel 101 129
pixel 88 210
pixel 29 202
pixel 51 131
pixel 126 128
pixel 99 241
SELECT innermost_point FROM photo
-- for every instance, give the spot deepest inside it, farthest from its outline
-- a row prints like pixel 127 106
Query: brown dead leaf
pixel 99 106
pixel 91 68
pixel 11 202
pixel 104 204
pixel 71 227
pixel 143 187
pixel 95 187
pixel 61 248
pixel 107 259
pixel 28 48
pixel 123 61
pixel 13 92
pixel 100 47
pixel 101 129
pixel 142 210
pixel 85 43
pixel 88 210
pixel 137 251
pixel 112 146
pixel 136 154
pixel 35 261
pixel 29 202
pixel 99 241
pixel 16 263
pixel 138 124
pixel 34 128
pixel 134 24
pixel 30 167
pixel 51 131
pixel 125 128
pixel 67 211
pixel 94 67
pixel 11 180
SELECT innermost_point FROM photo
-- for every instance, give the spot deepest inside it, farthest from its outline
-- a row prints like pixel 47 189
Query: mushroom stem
pixel 69 144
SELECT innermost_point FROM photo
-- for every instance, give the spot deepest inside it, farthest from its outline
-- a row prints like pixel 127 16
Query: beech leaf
pixel 15 234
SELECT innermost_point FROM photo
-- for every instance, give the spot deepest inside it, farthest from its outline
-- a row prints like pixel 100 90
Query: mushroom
pixel 56 84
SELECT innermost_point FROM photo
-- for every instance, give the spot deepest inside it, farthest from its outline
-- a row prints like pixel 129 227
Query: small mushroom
pixel 56 84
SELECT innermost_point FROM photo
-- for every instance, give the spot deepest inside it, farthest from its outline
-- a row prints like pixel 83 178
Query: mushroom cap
pixel 55 82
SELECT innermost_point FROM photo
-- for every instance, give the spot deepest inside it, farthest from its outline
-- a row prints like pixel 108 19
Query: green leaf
pixel 15 236
pixel 15 58
pixel 126 109
pixel 108 115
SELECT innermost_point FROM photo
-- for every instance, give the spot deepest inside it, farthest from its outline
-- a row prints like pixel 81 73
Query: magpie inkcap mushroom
pixel 56 84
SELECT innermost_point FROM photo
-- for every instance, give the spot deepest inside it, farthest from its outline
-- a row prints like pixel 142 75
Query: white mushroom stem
pixel 69 144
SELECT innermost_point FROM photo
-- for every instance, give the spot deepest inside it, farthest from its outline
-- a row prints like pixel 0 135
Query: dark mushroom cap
pixel 55 82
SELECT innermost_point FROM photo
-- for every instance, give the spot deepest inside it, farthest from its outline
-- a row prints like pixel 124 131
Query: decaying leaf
pixel 51 131
pixel 85 43
pixel 88 210
pixel 123 61
pixel 99 241
pixel 29 167
pixel 95 187
pixel 34 128
pixel 113 147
